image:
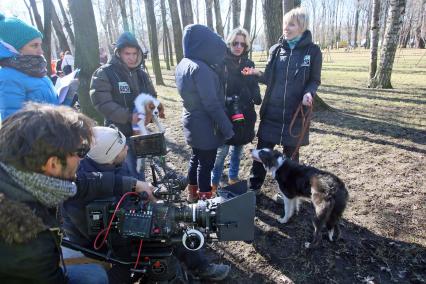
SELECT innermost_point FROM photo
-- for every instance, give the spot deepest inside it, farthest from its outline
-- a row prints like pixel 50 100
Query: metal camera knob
pixel 193 240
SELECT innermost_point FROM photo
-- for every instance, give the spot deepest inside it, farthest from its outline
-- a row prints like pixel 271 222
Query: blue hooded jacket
pixel 206 125
pixel 16 88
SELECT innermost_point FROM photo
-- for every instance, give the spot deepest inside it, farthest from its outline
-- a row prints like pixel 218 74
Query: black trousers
pixel 200 168
pixel 258 172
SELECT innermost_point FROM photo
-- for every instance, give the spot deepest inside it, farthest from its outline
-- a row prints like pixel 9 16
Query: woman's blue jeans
pixel 234 163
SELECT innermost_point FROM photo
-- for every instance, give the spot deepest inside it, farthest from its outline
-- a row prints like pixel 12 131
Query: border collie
pixel 326 191
pixel 149 108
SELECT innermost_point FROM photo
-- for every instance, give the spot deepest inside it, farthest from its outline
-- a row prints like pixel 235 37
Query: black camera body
pixel 234 107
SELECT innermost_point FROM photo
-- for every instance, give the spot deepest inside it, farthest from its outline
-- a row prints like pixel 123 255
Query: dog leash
pixel 306 120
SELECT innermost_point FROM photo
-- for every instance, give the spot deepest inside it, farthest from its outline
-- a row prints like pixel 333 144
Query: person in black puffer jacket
pixel 241 94
pixel 292 75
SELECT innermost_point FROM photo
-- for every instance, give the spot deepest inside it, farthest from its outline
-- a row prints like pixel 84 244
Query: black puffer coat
pixel 248 91
pixel 289 75
pixel 29 237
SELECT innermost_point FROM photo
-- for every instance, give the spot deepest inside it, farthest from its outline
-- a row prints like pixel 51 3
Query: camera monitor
pixel 149 145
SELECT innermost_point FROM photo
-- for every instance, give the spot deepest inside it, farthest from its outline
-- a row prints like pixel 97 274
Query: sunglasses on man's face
pixel 242 44
pixel 82 151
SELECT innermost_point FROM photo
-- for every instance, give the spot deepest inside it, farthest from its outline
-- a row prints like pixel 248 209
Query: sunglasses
pixel 82 151
pixel 242 44
pixel 119 138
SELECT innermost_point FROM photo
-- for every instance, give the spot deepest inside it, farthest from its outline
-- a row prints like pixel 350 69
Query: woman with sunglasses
pixel 241 94
pixel 292 76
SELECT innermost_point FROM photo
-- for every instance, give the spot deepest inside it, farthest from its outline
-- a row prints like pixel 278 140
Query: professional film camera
pixel 141 234
pixel 234 109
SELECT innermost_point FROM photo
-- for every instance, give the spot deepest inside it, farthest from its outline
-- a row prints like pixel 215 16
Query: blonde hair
pixel 239 32
pixel 298 16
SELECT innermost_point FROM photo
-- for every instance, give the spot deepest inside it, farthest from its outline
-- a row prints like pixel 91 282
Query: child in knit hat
pixel 22 67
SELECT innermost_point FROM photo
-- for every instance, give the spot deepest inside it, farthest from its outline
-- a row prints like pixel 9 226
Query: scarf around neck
pixel 47 190
pixel 32 65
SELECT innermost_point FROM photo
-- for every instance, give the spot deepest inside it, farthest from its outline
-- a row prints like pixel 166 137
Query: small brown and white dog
pixel 149 109
pixel 326 191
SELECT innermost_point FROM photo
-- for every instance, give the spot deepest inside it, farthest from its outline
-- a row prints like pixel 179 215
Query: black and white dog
pixel 297 182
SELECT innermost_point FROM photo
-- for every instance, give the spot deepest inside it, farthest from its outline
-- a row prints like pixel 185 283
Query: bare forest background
pixel 89 28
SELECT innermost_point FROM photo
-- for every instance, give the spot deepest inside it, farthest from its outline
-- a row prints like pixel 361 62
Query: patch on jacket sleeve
pixel 17 222
pixel 124 88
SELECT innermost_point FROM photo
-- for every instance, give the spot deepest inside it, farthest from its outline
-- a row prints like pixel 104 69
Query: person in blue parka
pixel 22 67
pixel 205 122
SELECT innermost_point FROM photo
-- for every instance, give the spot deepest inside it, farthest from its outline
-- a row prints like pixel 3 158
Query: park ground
pixel 375 141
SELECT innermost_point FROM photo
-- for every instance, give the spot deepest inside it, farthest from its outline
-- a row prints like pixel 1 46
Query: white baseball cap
pixel 108 143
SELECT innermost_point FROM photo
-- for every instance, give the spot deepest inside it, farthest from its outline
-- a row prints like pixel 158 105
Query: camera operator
pixel 100 176
pixel 40 149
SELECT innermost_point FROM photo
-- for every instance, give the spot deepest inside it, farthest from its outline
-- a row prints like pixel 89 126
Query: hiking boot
pixel 192 193
pixel 214 272
pixel 278 198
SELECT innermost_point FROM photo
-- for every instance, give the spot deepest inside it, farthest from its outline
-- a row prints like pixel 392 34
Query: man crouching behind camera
pixel 40 149
pixel 100 176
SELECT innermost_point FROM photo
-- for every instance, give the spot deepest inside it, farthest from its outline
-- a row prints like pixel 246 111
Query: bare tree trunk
pixel 420 41
pixel 29 12
pixel 385 16
pixel 86 51
pixel 382 79
pixel 177 30
pixel 104 21
pixel 63 43
pixel 122 4
pixel 209 13
pixel 132 19
pixel 356 24
pixel 236 12
pixel 247 15
pixel 375 18
pixel 36 15
pixel 273 20
pixel 367 31
pixel 47 33
pixel 169 41
pixel 288 5
pixel 165 32
pixel 67 24
pixel 218 16
pixel 186 12
pixel 153 41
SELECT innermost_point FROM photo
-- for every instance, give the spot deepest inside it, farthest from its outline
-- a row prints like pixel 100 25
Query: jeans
pixel 200 167
pixel 258 172
pixel 130 163
pixel 234 162
pixel 86 273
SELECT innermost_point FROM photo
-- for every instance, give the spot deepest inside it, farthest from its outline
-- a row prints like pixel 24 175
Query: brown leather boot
pixel 204 195
pixel 192 193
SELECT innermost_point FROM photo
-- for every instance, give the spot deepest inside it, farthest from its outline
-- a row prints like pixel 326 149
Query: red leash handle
pixel 306 120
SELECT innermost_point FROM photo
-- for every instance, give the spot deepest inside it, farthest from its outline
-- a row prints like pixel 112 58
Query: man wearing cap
pixel 99 177
pixel 115 85
pixel 22 67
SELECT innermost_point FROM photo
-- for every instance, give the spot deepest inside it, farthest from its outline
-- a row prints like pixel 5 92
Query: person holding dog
pixel 99 176
pixel 40 150
pixel 241 94
pixel 23 68
pixel 292 76
pixel 205 122
pixel 115 86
